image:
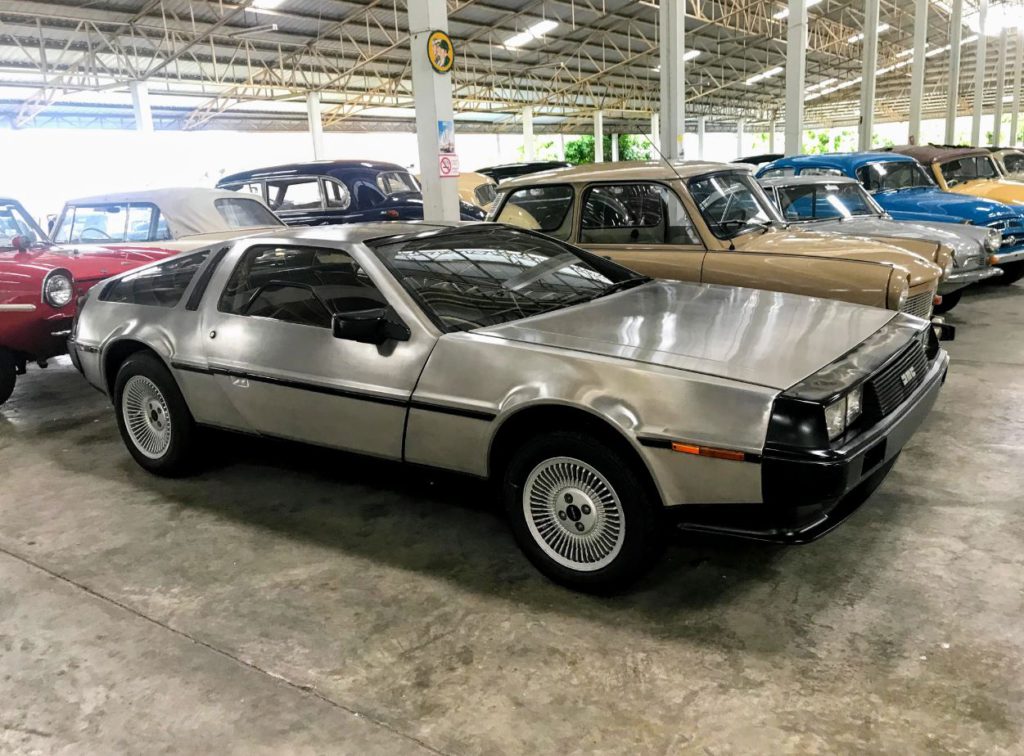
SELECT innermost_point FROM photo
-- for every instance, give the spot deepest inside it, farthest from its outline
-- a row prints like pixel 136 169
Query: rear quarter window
pixel 539 208
pixel 161 285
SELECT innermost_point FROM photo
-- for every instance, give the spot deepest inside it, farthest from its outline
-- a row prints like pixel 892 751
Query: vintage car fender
pixel 998 190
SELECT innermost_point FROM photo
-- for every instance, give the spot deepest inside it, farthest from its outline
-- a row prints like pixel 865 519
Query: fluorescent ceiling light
pixel 904 53
pixel 265 4
pixel 536 31
pixel 784 13
pixel 764 75
pixel 821 84
pixel 858 37
pixel 688 55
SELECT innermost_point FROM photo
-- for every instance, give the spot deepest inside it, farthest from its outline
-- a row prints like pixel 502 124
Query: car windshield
pixel 111 222
pixel 479 276
pixel 731 204
pixel 825 201
pixel 893 175
pixel 14 221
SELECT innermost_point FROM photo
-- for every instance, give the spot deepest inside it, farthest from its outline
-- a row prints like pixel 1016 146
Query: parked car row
pixel 618 346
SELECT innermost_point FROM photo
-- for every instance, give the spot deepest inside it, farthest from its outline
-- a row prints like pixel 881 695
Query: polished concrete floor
pixel 294 600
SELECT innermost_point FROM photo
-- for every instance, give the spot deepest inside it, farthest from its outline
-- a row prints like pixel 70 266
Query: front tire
pixel 585 517
pixel 1012 273
pixel 8 375
pixel 949 301
pixel 154 421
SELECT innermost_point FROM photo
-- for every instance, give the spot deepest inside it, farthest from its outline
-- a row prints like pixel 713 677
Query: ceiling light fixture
pixel 534 32
pixel 265 4
pixel 858 37
pixel 764 75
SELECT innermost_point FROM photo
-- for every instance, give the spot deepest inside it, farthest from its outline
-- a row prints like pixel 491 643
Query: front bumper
pixel 961 279
pixel 808 494
pixel 1010 256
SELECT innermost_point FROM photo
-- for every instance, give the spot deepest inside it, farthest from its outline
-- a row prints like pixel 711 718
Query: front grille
pixel 891 386
pixel 919 305
pixel 1012 230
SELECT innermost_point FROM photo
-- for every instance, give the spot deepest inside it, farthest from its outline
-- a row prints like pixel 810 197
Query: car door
pixel 642 225
pixel 270 347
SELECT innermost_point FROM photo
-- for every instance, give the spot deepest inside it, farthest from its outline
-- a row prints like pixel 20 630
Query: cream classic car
pixel 712 223
pixel 605 404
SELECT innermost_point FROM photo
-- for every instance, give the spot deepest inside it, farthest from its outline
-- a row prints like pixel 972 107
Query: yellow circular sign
pixel 440 52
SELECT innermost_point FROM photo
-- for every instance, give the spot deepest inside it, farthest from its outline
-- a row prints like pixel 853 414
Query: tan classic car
pixel 712 223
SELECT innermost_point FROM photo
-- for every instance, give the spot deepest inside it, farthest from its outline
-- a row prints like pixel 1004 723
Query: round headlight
pixel 899 290
pixel 58 290
pixel 993 240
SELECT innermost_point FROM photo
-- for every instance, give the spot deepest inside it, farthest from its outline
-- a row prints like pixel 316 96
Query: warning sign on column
pixel 448 166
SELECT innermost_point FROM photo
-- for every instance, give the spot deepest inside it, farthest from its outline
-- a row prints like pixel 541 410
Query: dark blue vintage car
pixel 328 192
pixel 906 192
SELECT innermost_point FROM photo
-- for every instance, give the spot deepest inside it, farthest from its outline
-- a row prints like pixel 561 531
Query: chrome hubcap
pixel 146 416
pixel 573 513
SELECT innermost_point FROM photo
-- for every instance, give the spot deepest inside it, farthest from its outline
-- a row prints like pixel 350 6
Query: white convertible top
pixel 188 211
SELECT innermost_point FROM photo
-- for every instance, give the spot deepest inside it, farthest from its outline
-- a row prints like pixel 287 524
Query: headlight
pixel 993 240
pixel 901 289
pixel 57 289
pixel 843 413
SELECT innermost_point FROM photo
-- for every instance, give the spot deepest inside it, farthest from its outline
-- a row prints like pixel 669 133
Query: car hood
pixel 759 337
pixel 801 241
pixel 936 202
pixel 965 241
pixel 998 190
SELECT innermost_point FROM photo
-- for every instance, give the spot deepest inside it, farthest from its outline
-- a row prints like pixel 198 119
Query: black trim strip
pixel 341 392
pixel 204 280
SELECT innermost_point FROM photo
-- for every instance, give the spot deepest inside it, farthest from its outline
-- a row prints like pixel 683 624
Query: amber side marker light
pixel 993 260
pixel 708 451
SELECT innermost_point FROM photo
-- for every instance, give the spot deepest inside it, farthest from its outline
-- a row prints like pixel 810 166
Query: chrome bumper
pixel 960 279
pixel 1015 255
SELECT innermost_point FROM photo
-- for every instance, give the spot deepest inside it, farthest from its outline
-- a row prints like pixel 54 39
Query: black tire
pixel 949 301
pixel 635 509
pixel 174 455
pixel 8 375
pixel 1012 273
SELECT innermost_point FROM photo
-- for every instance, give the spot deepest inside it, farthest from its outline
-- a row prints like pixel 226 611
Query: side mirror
pixel 23 242
pixel 368 327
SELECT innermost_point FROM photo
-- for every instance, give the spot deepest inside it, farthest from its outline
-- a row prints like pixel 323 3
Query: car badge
pixel 908 376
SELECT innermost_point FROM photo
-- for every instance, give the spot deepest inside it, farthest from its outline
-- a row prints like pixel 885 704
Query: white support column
pixel 917 68
pixel 773 128
pixel 615 148
pixel 740 136
pixel 1018 65
pixel 316 124
pixel 561 146
pixel 868 73
pixel 672 45
pixel 599 137
pixel 997 124
pixel 432 96
pixel 528 152
pixel 796 66
pixel 702 122
pixel 140 106
pixel 979 74
pixel 956 32
pixel 655 134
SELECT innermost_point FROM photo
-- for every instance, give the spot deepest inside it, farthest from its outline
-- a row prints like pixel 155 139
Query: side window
pixel 62 233
pixel 540 208
pixel 1014 163
pixel 635 214
pixel 868 177
pixel 161 285
pixel 163 232
pixel 294 194
pixel 986 168
pixel 303 285
pixel 338 195
pixel 140 223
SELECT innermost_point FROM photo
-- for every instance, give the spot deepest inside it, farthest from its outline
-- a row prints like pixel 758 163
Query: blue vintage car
pixel 906 192
pixel 328 192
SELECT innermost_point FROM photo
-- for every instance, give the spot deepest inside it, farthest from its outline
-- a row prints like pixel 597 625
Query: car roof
pixel 799 180
pixel 357 233
pixel 842 160
pixel 933 153
pixel 311 168
pixel 658 170
pixel 189 211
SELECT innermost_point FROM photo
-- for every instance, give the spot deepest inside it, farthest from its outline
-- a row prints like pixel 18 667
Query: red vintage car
pixel 95 238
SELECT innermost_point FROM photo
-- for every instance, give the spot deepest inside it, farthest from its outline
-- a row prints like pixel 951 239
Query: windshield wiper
pixel 626 283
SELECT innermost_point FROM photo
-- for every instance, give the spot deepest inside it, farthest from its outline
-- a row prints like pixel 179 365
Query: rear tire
pixel 1012 273
pixel 585 516
pixel 949 301
pixel 154 421
pixel 8 375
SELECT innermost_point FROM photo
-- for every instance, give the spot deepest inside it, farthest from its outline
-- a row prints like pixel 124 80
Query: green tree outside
pixel 581 150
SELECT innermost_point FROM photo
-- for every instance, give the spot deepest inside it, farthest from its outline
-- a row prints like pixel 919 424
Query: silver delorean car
pixel 609 407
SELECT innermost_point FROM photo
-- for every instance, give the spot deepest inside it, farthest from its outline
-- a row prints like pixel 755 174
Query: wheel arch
pixel 538 418
pixel 115 354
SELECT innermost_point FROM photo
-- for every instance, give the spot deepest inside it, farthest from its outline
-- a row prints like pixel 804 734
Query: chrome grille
pixel 1012 231
pixel 891 386
pixel 919 305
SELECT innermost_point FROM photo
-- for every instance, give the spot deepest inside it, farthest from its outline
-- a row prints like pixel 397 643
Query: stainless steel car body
pixel 660 363
pixel 972 246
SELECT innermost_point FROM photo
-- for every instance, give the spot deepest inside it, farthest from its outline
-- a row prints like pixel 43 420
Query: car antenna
pixel 661 156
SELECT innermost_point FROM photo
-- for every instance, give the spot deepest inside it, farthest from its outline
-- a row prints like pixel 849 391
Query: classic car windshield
pixel 113 222
pixel 968 169
pixel 483 276
pixel 14 221
pixel 893 175
pixel 807 202
pixel 731 204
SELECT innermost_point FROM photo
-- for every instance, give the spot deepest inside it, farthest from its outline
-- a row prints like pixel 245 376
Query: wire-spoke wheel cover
pixel 573 514
pixel 146 416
